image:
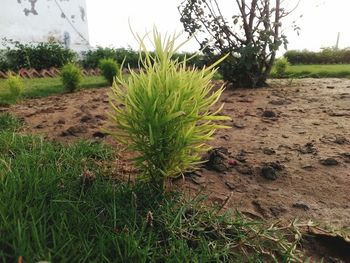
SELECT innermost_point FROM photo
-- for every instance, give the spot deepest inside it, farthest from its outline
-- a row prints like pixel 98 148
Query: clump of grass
pixel 46 212
pixel 165 112
pixel 71 77
pixel 109 69
pixel 9 123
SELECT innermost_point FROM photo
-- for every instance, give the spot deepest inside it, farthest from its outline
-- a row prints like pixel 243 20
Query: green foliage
pixel 251 37
pixel 39 56
pixel 51 54
pixel 165 113
pixel 91 58
pixel 71 77
pixel 4 66
pixel 131 57
pixel 326 56
pixel 280 67
pixel 12 88
pixel 109 69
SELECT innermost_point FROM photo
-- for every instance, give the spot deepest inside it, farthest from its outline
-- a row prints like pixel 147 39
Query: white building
pixel 33 21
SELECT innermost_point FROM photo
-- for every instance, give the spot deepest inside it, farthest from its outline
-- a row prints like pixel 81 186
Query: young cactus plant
pixel 166 111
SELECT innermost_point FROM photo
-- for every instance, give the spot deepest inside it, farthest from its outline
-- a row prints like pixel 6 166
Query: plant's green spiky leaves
pixel 165 112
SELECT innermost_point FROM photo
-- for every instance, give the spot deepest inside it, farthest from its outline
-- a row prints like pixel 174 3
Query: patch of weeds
pixel 9 123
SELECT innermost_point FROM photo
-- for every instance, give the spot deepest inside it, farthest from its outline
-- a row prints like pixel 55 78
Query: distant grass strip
pixel 58 205
pixel 43 87
pixel 317 71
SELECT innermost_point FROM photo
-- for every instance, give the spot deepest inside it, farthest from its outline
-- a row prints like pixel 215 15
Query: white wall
pixel 42 20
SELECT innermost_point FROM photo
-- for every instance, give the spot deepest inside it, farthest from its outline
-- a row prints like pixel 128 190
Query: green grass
pixel 51 209
pixel 42 87
pixel 9 123
pixel 317 71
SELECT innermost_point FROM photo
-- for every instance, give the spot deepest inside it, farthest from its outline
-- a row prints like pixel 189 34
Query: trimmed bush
pixel 13 89
pixel 71 77
pixel 280 67
pixel 165 113
pixel 109 69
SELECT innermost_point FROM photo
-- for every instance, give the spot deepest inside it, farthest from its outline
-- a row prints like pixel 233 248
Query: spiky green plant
pixel 165 113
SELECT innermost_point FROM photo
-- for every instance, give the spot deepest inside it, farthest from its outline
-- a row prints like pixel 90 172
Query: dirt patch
pixel 325 248
pixel 287 154
pixel 67 117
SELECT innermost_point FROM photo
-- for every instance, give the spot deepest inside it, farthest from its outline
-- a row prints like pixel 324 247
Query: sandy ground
pixel 286 156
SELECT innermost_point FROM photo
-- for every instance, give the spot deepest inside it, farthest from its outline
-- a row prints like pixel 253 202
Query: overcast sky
pixel 108 21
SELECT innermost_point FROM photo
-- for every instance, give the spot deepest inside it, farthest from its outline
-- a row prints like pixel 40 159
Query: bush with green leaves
pixel 251 35
pixel 91 58
pixel 165 113
pixel 129 58
pixel 4 66
pixel 38 56
pixel 71 77
pixel 109 69
pixel 13 88
pixel 280 67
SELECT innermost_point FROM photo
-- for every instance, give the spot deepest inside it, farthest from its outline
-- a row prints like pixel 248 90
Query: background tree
pixel 252 36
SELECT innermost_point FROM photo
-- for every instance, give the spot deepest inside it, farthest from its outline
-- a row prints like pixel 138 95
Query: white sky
pixel 108 21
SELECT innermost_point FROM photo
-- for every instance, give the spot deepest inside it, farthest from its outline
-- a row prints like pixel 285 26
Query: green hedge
pixel 91 58
pixel 38 56
pixel 46 55
pixel 326 56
